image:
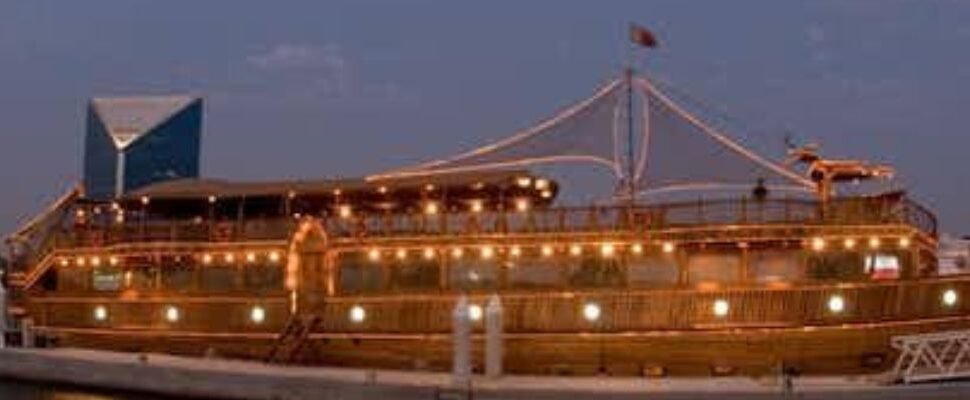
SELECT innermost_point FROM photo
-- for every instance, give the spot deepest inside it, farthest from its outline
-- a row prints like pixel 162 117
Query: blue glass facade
pixel 168 150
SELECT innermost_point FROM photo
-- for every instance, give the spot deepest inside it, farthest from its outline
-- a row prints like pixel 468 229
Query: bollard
pixel 494 351
pixel 27 333
pixel 461 369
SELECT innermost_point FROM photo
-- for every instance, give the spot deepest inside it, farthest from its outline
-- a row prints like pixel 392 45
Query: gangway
pixel 932 356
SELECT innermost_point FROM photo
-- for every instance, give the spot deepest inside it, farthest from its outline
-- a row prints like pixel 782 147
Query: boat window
pixel 653 271
pixel 775 266
pixel 415 274
pixel 219 277
pixel 106 279
pixel 595 271
pixel 882 266
pixel 264 277
pixel 359 275
pixel 835 265
pixel 713 267
pixel 534 272
pixel 141 278
pixel 474 274
pixel 177 277
pixel 72 279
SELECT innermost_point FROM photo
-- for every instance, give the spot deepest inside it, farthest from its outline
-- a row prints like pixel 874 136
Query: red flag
pixel 642 36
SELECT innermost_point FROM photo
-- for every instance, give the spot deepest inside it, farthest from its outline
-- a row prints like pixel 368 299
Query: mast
pixel 630 145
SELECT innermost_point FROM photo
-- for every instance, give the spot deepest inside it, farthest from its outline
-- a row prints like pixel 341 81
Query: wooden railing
pixel 736 212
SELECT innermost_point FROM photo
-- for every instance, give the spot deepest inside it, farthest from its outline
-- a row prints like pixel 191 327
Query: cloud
pixel 299 56
pixel 322 71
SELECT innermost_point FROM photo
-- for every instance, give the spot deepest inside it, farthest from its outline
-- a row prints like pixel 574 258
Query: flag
pixel 642 36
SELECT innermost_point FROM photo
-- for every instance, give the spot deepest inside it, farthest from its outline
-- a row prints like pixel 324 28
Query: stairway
pixel 293 339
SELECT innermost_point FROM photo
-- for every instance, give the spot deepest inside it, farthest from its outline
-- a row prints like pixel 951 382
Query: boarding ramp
pixel 934 356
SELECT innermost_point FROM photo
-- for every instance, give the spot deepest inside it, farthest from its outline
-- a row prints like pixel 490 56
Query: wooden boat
pixel 366 272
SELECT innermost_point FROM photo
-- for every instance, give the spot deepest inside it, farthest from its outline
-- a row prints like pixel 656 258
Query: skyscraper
pixel 135 141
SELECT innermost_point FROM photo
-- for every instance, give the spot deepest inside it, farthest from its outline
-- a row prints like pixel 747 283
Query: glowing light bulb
pixel 721 308
pixel 836 304
pixel 357 314
pixel 592 312
pixel 475 312
pixel 257 315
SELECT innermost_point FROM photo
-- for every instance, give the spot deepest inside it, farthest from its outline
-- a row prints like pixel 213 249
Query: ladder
pixel 293 339
pixel 932 356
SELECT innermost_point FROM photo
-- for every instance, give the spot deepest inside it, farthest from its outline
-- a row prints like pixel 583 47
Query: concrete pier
pixel 225 379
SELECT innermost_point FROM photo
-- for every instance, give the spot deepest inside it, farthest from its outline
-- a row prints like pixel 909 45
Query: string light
pixel 401 254
pixel 274 256
pixel 818 244
pixel 542 184
pixel 637 248
pixel 429 253
pixel 229 257
pixel 849 243
pixel 487 252
pixel 668 247
pixel 207 258
pixel 344 211
pixel 524 182
pixel 546 250
pixel 575 250
pixel 374 255
pixel 608 250
pixel 515 251
pixel 431 208
pixel 904 242
pixel 113 261
pixel 251 257
pixel 477 206
pixel 457 252
pixel 874 242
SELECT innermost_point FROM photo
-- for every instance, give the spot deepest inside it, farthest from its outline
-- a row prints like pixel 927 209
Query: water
pixel 19 390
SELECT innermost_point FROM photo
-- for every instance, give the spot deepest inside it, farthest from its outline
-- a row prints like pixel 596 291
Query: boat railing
pixel 737 212
pixel 598 219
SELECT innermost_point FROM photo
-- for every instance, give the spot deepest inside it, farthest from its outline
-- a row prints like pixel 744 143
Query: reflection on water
pixel 16 390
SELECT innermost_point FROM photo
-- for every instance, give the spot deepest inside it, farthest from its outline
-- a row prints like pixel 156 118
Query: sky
pixel 312 89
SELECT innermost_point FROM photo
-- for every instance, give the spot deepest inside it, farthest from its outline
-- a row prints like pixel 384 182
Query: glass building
pixel 135 141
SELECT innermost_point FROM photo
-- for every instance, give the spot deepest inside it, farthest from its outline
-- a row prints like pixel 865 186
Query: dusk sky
pixel 310 89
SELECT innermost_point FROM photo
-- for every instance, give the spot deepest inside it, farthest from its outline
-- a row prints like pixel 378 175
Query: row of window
pixel 357 273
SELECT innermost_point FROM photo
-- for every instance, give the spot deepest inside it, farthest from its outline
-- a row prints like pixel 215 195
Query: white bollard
pixel 494 351
pixel 27 338
pixel 461 369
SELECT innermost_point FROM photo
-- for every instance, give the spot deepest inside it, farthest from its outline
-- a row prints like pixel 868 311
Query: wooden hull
pixel 848 349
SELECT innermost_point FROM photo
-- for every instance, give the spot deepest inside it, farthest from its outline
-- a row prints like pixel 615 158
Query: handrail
pixel 635 219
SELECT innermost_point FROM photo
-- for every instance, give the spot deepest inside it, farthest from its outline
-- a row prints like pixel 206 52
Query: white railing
pixel 932 356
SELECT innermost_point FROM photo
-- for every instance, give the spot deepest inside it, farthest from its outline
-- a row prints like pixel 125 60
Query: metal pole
pixel 461 369
pixel 3 314
pixel 494 350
